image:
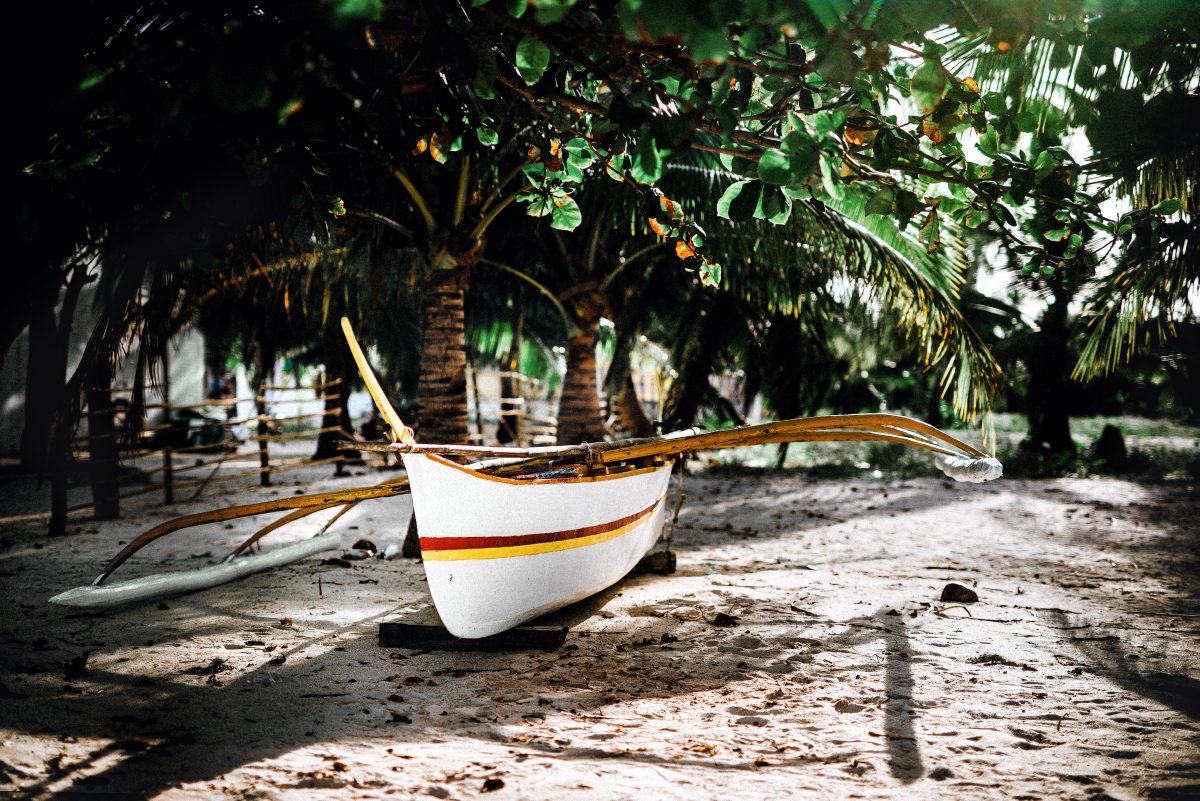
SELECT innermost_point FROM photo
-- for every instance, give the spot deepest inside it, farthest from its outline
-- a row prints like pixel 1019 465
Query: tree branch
pixel 417 199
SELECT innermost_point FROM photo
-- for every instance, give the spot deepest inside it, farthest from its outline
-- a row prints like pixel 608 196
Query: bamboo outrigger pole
pixel 970 463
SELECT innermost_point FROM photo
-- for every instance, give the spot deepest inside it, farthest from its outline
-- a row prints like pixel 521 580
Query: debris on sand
pixel 996 659
pixel 957 593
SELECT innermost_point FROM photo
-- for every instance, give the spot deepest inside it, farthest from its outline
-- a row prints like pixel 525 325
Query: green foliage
pixel 174 144
pixel 533 56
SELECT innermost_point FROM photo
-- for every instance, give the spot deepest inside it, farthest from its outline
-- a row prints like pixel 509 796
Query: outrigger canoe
pixel 521 531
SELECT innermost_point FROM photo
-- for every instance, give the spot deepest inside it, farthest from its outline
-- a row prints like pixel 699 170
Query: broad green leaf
pixel 739 201
pixel 485 75
pixel 647 161
pixel 1057 235
pixel 349 12
pixel 572 171
pixel 1005 215
pixel 989 142
pixel 536 173
pixel 728 197
pixel 826 12
pixel 532 59
pixel 906 207
pixel 830 181
pixel 566 215
pixel 580 161
pixel 774 206
pixel 487 136
pixel 826 122
pixel 775 168
pixel 707 43
pixel 540 206
pixel 1045 164
pixel 802 156
pixel 1167 207
pixel 930 233
pixel 928 84
pixel 93 77
pixel 289 108
pixel 551 11
pixel 883 202
pixel 796 142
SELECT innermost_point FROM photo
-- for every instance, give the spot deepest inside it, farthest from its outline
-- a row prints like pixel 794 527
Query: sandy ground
pixel 1076 675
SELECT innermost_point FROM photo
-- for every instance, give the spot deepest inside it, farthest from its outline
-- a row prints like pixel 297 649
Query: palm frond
pixel 1142 300
pixel 1170 175
pixel 776 268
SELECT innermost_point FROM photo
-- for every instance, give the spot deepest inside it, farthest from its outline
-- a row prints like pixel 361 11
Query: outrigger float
pixel 521 531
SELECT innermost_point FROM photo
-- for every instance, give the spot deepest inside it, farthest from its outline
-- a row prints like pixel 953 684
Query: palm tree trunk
pixel 1049 368
pixel 633 415
pixel 43 381
pixel 442 391
pixel 579 409
pixel 55 395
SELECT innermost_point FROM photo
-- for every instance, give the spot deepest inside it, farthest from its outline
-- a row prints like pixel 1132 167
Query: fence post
pixel 264 457
pixel 168 425
pixel 168 473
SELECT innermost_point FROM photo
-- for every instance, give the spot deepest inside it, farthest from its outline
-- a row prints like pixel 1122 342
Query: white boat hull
pixel 499 552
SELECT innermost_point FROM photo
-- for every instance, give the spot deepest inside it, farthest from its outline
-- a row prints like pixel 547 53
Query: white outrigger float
pixel 530 530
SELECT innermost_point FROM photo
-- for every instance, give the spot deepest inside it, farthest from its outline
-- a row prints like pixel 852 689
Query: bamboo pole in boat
pixel 831 428
pixel 400 432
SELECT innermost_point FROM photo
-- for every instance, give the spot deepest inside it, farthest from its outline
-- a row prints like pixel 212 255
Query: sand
pixel 800 651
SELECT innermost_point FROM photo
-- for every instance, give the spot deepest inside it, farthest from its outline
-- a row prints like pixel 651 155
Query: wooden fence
pixel 185 450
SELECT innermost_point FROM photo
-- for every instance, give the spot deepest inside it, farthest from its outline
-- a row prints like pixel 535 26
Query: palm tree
pixel 617 267
pixel 1135 102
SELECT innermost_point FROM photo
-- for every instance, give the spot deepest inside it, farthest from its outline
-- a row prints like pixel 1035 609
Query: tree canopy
pixel 212 143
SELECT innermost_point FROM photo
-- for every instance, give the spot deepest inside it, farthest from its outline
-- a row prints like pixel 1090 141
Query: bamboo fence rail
pixel 209 454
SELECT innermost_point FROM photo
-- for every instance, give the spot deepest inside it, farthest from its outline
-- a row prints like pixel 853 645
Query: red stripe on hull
pixel 457 543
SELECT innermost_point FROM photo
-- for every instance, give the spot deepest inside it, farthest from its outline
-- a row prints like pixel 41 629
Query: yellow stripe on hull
pixel 504 552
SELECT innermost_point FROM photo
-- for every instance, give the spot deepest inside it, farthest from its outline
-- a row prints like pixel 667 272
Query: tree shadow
pixel 1108 658
pixel 172 730
pixel 1176 562
pixel 164 736
pixel 905 762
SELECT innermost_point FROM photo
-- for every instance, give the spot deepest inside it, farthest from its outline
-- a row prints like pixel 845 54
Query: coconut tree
pixel 1126 79
pixel 616 265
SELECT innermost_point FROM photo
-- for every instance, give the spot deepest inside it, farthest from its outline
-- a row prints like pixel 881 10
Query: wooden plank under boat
pixel 501 551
